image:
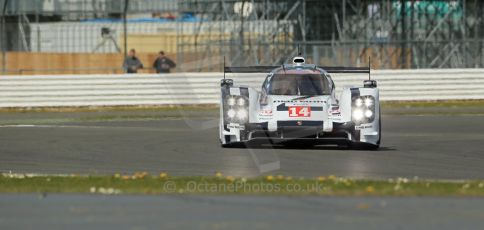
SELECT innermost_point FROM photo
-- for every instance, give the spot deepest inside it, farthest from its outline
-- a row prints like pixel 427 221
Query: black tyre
pixel 234 145
pixel 363 146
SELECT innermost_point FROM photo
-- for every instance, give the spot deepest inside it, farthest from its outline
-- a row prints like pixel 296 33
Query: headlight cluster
pixel 236 109
pixel 363 109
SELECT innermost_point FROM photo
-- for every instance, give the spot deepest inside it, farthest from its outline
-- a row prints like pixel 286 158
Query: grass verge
pixel 36 116
pixel 213 107
pixel 142 183
pixel 144 108
pixel 432 104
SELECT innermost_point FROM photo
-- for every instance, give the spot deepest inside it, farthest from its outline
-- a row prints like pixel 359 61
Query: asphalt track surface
pixel 432 147
pixel 231 212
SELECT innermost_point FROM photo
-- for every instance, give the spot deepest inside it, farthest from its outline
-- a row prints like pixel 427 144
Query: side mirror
pixel 369 84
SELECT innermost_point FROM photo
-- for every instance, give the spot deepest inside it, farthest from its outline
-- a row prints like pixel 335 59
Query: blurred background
pixel 93 36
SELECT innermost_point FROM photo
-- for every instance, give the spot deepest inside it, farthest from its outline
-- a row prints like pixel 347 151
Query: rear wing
pixel 329 69
pixel 267 69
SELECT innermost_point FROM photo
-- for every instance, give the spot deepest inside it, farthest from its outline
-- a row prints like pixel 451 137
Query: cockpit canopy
pixel 306 84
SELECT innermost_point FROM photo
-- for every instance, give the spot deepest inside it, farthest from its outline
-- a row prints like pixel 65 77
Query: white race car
pixel 298 105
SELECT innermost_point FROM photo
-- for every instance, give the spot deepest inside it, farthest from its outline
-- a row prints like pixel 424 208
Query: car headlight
pixel 231 101
pixel 359 102
pixel 368 114
pixel 241 102
pixel 358 114
pixel 369 101
pixel 231 113
pixel 242 114
pixel 236 109
pixel 363 109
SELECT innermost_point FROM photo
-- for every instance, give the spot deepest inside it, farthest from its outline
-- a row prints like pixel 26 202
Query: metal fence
pixel 394 33
pixel 79 9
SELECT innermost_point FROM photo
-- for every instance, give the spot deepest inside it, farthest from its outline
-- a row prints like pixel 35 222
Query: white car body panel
pixel 324 117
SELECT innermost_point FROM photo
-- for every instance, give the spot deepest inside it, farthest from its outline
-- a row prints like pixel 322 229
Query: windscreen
pixel 299 84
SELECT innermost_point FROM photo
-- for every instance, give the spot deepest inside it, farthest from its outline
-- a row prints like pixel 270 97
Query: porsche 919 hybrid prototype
pixel 297 104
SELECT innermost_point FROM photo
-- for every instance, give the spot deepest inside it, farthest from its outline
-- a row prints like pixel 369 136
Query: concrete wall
pixel 203 88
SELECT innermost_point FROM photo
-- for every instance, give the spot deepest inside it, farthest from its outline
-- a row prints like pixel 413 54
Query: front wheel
pixel 363 146
pixel 234 145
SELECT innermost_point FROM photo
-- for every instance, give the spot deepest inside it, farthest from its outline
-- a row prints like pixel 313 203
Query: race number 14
pixel 299 111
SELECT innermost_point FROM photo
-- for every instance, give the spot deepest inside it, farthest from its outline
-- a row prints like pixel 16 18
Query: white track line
pixel 93 127
pixel 48 126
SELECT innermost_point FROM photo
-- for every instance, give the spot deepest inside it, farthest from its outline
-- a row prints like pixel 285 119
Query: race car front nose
pixel 295 129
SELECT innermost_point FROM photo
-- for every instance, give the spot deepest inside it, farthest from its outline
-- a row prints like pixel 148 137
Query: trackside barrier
pixel 203 88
